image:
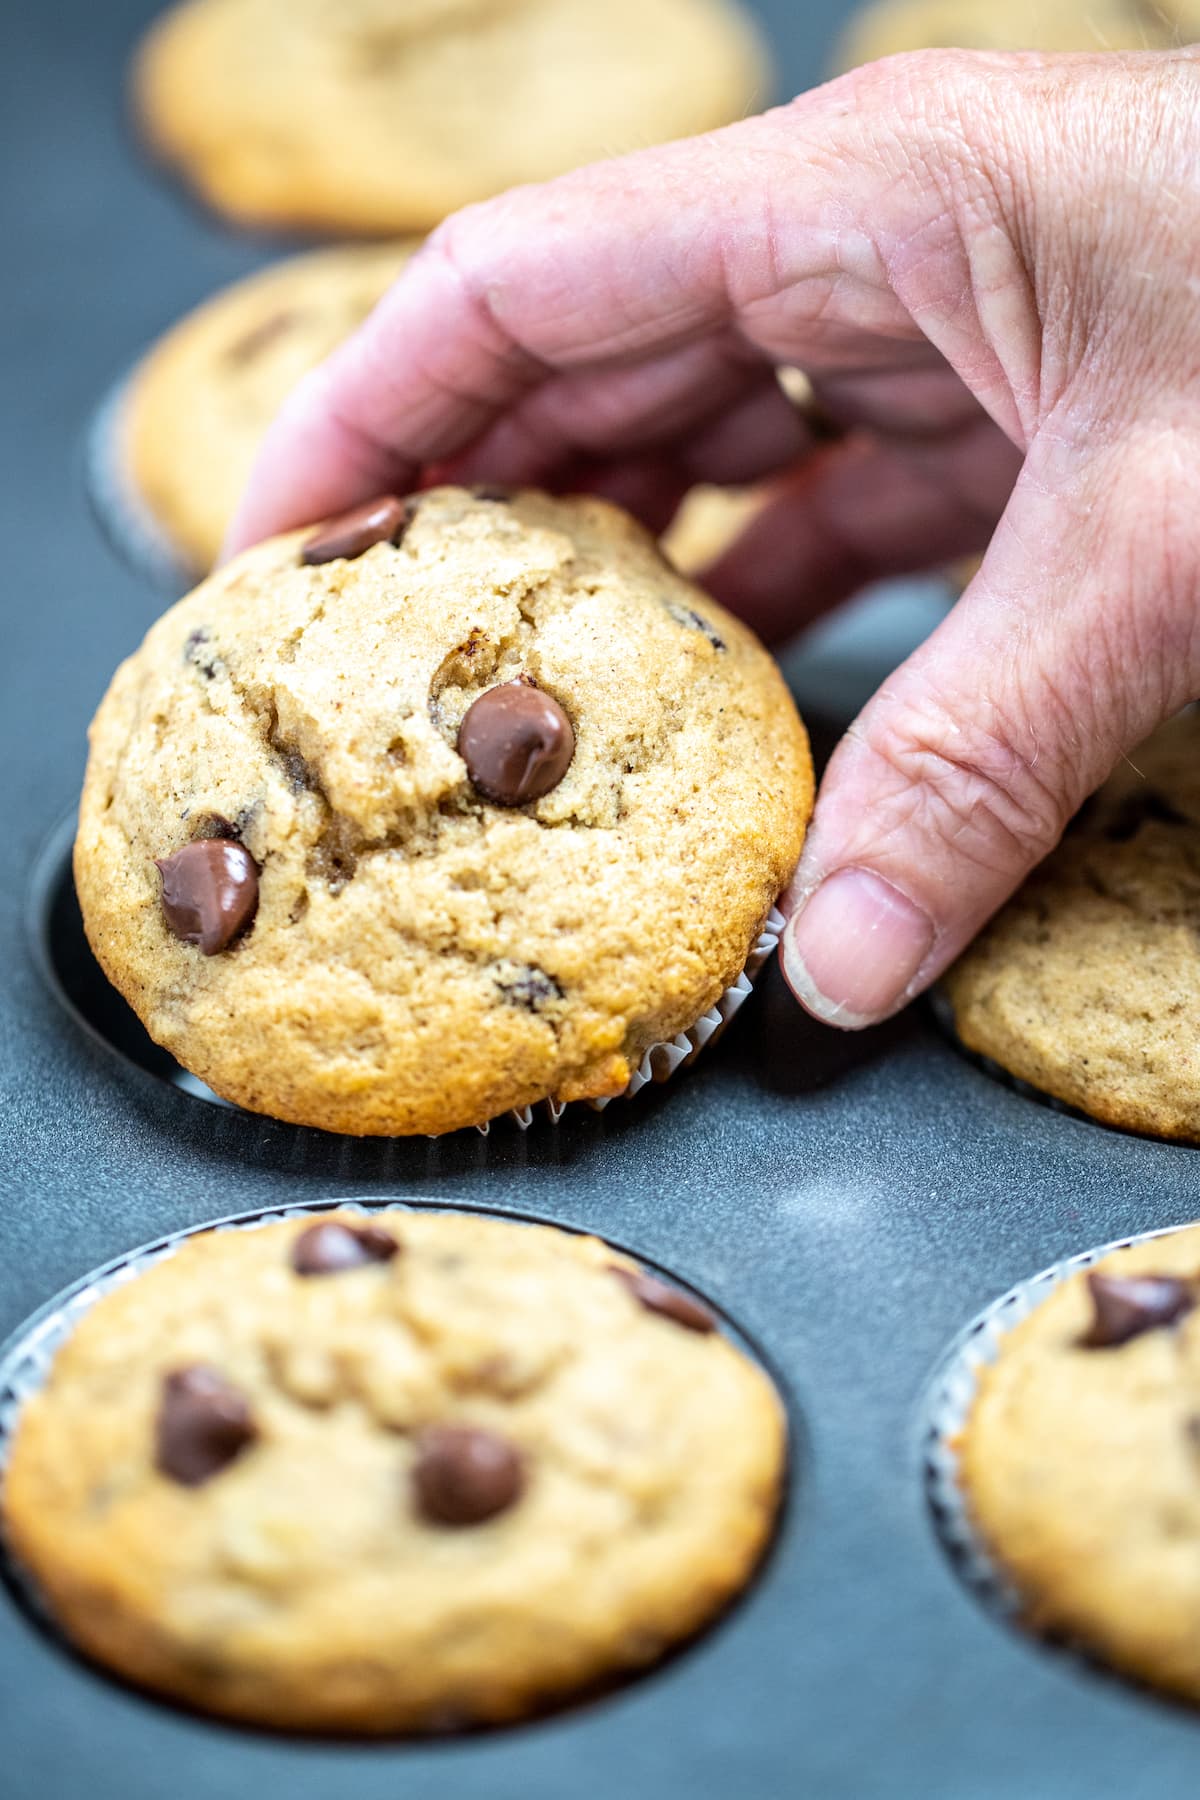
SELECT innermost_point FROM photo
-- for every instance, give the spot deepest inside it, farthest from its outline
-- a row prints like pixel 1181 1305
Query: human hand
pixel 989 265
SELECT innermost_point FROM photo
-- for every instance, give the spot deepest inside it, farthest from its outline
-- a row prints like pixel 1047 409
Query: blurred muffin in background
pixel 897 25
pixel 382 116
pixel 177 450
pixel 709 521
pixel 199 404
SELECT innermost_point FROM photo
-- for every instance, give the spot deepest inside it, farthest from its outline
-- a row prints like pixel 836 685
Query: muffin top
pixel 199 404
pixel 457 806
pixel 386 115
pixel 1087 984
pixel 1081 1460
pixel 405 1470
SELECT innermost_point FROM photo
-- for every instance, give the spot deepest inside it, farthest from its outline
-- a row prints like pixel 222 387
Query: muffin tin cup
pixel 138 537
pixel 946 1409
pixel 26 1359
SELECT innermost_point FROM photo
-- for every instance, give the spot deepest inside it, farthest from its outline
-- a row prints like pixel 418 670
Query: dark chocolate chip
pixel 660 1297
pixel 247 347
pixel 502 496
pixel 203 1425
pixel 464 1475
pixel 209 892
pixel 517 742
pixel 1144 806
pixel 198 650
pixel 531 988
pixel 380 521
pixel 683 615
pixel 1126 1306
pixel 330 1248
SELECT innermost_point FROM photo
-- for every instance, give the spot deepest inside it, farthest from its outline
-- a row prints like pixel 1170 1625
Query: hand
pixel 990 266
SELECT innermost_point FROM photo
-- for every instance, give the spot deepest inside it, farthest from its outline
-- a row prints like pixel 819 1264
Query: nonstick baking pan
pixel 849 1203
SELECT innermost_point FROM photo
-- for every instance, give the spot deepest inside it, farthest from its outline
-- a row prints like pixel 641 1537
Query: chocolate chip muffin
pixel 1087 984
pixel 378 116
pixel 1081 1461
pixel 461 803
pixel 198 406
pixel 404 1472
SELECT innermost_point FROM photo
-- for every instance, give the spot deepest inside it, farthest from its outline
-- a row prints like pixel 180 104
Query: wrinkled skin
pixel 991 267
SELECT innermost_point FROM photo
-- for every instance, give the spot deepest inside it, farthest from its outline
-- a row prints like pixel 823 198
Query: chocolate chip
pixel 1126 1306
pixel 517 742
pixel 203 1425
pixel 502 496
pixel 209 892
pixel 530 988
pixel 330 1248
pixel 1144 806
pixel 683 615
pixel 380 521
pixel 464 1475
pixel 198 650
pixel 246 348
pixel 660 1297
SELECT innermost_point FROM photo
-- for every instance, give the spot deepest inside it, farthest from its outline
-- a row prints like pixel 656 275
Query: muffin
pixel 383 116
pixel 198 406
pixel 460 803
pixel 1087 984
pixel 1049 25
pixel 405 1472
pixel 1080 1461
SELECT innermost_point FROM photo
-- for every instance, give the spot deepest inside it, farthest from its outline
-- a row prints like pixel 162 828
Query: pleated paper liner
pixel 945 1411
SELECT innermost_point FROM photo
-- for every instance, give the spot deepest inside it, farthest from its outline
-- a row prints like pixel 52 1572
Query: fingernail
pixel 852 950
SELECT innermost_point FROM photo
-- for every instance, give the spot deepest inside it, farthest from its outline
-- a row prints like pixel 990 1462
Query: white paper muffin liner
pixel 945 1410
pixel 135 533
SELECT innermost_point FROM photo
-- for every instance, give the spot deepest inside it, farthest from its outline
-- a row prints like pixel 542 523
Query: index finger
pixel 777 228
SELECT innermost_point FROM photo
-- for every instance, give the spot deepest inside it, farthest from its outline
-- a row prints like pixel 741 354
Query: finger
pixel 721 424
pixel 858 511
pixel 1076 638
pixel 618 265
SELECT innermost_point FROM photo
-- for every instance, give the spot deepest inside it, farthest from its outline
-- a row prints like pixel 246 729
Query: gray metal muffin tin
pixel 851 1202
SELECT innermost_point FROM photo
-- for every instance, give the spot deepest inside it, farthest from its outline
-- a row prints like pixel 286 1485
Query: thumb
pixel 1076 638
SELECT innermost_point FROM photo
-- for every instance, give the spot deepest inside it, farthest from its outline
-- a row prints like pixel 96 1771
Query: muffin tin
pixel 851 1202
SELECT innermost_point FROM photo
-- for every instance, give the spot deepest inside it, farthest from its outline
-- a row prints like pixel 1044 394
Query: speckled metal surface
pixel 851 1202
